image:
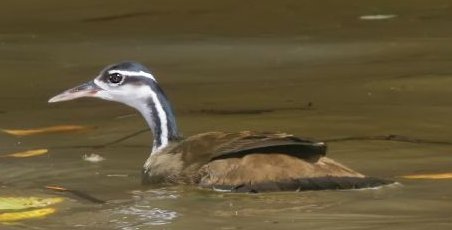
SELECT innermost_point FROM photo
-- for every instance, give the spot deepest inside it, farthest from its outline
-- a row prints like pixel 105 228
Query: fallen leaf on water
pixel 28 153
pixel 56 188
pixel 429 176
pixel 16 216
pixel 377 16
pixel 17 203
pixel 51 129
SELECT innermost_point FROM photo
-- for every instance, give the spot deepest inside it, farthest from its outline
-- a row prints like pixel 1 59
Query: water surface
pixel 313 69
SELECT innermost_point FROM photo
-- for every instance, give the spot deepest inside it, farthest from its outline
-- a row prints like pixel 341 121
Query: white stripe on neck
pixel 136 97
pixel 161 114
pixel 139 102
pixel 133 73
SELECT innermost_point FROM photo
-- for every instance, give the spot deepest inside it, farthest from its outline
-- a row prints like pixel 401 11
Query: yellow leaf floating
pixel 51 129
pixel 56 188
pixel 17 203
pixel 28 153
pixel 16 216
pixel 429 176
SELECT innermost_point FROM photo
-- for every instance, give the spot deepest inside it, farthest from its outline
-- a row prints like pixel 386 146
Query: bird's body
pixel 241 162
pixel 251 162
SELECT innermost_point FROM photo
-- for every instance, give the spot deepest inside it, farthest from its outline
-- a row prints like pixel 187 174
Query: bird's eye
pixel 115 78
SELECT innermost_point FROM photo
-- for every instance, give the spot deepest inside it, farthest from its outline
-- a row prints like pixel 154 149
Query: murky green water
pixel 232 65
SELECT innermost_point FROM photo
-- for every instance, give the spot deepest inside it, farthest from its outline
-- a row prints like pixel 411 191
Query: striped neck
pixel 160 117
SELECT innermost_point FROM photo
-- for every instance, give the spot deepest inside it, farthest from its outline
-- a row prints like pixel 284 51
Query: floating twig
pixel 77 193
pixel 390 137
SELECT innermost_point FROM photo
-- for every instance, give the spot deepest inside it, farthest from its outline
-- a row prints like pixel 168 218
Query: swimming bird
pixel 244 161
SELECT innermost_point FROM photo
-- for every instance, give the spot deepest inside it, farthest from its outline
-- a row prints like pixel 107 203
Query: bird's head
pixel 132 84
pixel 128 82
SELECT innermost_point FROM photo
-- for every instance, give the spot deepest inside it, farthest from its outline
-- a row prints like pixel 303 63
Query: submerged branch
pixel 107 144
pixel 76 193
pixel 390 137
pixel 121 139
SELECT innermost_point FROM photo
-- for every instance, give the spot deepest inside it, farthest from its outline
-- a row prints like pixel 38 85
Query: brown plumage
pixel 238 162
pixel 252 162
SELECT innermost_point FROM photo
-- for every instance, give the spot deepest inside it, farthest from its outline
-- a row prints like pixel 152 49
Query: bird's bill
pixel 88 89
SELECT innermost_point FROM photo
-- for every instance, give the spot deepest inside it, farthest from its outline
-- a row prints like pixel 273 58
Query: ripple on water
pixel 137 216
pixel 142 212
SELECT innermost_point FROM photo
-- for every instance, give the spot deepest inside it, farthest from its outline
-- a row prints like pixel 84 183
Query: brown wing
pixel 249 142
pixel 254 162
pixel 206 147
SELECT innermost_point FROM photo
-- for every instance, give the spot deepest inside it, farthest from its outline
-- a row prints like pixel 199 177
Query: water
pixel 232 65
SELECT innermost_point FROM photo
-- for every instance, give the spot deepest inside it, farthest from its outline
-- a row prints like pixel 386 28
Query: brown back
pixel 203 148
